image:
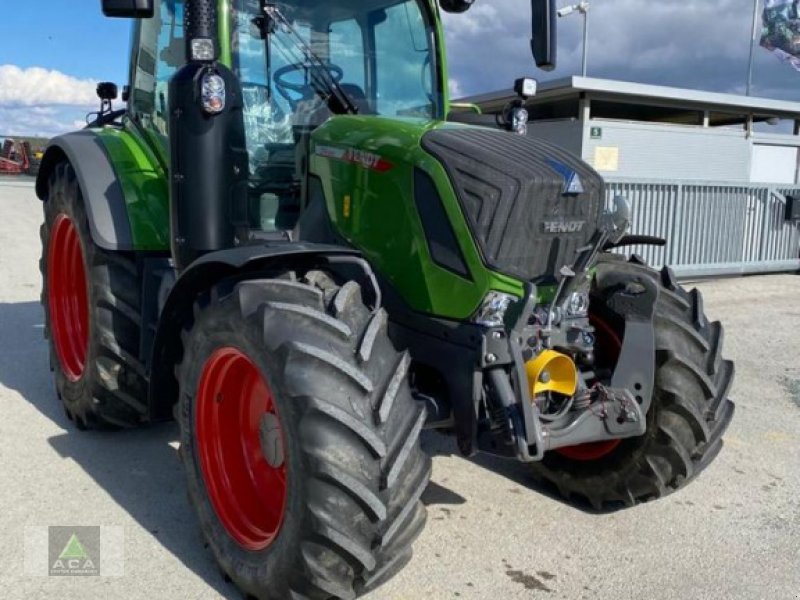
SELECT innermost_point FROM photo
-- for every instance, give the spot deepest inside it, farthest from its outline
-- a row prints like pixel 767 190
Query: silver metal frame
pixel 712 228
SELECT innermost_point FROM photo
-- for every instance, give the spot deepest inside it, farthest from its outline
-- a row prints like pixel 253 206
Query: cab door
pixel 158 52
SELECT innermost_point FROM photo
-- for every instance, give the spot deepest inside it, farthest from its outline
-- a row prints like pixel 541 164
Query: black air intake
pixel 442 241
pixel 513 191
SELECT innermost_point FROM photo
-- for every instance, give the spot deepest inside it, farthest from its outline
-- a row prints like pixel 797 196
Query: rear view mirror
pixel 131 9
pixel 456 6
pixel 544 41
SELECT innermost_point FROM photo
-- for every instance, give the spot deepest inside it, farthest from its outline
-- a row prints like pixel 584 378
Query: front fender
pixel 241 263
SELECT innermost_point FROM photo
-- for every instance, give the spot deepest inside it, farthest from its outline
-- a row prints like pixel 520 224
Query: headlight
pixel 520 118
pixel 578 304
pixel 492 312
pixel 213 92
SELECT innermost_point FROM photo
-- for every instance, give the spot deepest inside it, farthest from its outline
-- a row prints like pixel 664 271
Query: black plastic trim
pixel 442 241
pixel 102 193
pixel 209 165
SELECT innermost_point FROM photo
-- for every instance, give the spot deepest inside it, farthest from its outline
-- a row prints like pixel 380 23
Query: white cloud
pixel 28 121
pixel 42 102
pixel 37 87
pixel 456 90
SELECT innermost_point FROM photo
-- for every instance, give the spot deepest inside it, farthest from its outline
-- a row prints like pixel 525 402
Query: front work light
pixel 526 87
pixel 519 121
pixel 493 309
pixel 203 50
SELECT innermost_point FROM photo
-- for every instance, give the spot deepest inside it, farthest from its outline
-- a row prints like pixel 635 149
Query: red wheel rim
pixel 67 297
pixel 241 448
pixel 610 344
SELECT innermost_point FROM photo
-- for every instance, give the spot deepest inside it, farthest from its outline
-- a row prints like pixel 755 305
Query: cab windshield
pixel 379 52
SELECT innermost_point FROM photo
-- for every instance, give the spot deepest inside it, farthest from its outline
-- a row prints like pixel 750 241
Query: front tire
pixel 688 416
pixel 313 492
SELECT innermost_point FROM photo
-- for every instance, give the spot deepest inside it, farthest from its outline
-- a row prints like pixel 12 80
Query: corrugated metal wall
pixel 659 151
pixel 712 229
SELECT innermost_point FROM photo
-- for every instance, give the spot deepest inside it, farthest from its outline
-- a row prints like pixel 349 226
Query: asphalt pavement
pixel 733 533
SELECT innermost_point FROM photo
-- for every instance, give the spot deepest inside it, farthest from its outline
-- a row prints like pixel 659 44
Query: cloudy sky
pixel 52 53
pixel 701 44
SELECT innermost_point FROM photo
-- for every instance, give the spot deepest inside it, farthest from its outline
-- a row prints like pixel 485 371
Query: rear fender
pixel 103 196
pixel 124 187
pixel 237 263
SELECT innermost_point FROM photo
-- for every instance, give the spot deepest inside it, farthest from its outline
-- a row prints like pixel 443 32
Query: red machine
pixel 17 158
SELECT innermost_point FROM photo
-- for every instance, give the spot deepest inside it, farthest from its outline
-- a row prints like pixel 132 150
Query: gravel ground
pixel 733 533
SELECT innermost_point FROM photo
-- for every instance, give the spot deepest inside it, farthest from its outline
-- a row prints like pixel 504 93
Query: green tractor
pixel 288 244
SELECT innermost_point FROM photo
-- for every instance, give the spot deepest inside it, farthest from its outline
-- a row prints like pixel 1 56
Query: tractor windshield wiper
pixel 319 70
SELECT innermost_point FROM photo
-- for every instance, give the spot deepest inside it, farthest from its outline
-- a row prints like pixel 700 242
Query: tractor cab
pixel 299 63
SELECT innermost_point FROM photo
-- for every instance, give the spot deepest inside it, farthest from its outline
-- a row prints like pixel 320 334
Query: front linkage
pixel 523 372
pixel 540 387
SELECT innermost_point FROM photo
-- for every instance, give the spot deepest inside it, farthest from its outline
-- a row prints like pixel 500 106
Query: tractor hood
pixel 446 213
pixel 529 205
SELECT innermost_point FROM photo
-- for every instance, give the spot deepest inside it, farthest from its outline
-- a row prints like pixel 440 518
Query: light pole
pixel 582 8
pixel 752 48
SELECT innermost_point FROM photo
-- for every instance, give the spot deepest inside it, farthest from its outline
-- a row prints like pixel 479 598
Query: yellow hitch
pixel 552 371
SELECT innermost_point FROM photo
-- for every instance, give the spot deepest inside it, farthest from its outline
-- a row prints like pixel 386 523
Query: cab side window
pixel 347 51
pixel 160 53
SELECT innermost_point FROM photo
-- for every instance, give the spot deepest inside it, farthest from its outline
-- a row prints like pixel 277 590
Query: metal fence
pixel 712 228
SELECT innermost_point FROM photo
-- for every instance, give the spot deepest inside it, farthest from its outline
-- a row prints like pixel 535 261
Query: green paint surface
pixel 144 184
pixel 73 549
pixel 224 27
pixel 444 85
pixel 376 212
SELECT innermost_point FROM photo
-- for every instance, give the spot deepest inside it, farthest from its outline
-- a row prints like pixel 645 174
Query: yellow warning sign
pixel 606 158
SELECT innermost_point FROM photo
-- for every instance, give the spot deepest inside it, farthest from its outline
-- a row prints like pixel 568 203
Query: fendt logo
pixel 564 226
pixel 573 186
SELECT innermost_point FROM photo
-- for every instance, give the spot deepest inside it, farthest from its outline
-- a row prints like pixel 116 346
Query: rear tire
pixel 689 413
pixel 354 470
pixel 97 372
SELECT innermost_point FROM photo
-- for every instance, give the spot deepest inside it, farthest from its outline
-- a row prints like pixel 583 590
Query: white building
pixel 633 130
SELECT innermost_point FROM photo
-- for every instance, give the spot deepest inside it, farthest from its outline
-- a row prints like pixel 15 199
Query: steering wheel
pixel 284 86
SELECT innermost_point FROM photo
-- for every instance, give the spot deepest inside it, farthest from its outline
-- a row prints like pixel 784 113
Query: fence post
pixel 677 208
pixel 765 222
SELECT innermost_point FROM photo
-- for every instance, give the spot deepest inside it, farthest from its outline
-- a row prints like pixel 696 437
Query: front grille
pixel 511 190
